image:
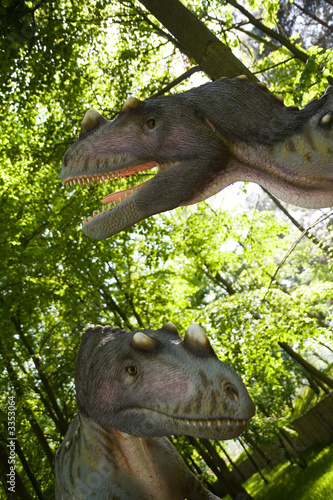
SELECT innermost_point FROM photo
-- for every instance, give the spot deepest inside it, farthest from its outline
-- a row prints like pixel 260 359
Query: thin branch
pixel 318 243
pixel 300 54
pixel 112 304
pixel 259 38
pixel 177 80
pixel 313 16
pixel 292 248
pixel 42 375
pixel 239 27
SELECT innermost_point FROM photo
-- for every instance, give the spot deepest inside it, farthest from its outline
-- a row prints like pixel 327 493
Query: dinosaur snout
pixel 230 391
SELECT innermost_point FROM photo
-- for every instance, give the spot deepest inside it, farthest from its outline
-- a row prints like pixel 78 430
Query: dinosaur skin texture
pixel 133 389
pixel 201 141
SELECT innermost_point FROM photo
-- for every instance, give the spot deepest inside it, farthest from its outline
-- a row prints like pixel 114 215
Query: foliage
pixel 214 267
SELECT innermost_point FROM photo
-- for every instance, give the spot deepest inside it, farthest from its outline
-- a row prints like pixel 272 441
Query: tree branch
pixel 308 366
pixel 315 18
pixel 318 243
pixel 293 246
pixel 215 58
pixel 300 54
pixel 62 421
pixel 177 80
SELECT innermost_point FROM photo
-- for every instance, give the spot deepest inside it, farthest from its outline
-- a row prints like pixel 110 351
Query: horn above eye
pixel 91 119
pixel 131 103
pixel 142 341
pixel 197 342
pixel 170 326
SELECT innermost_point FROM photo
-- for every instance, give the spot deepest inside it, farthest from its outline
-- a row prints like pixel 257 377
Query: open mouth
pixel 113 199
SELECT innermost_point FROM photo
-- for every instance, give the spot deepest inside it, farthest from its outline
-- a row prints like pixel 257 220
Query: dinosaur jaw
pixel 173 185
pixel 151 423
pixel 115 197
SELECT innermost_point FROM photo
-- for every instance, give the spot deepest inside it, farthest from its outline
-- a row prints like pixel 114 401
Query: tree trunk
pixel 214 58
pixel 232 463
pixel 33 422
pixel 20 490
pixel 308 366
pixel 19 452
pixel 254 463
pixel 62 423
pixel 235 489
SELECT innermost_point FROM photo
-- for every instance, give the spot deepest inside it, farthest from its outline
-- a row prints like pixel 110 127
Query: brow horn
pixel 91 120
pixel 142 341
pixel 197 342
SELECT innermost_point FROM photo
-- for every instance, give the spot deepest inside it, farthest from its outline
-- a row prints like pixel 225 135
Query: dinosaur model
pixel 132 388
pixel 201 141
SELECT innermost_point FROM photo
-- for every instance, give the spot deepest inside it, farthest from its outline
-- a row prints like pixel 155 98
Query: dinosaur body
pixel 132 389
pixel 201 141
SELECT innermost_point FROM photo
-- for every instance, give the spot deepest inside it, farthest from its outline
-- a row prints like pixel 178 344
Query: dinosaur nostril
pixel 230 391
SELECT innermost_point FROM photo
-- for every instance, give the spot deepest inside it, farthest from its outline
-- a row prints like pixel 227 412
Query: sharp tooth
pixel 95 212
pixel 219 422
pixel 228 421
pixel 209 423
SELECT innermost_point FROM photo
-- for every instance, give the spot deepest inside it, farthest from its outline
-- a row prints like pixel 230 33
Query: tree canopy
pixel 226 269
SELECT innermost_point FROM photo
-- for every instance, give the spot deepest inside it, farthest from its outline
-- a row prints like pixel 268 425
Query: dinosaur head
pixel 158 134
pixel 153 383
pixel 200 141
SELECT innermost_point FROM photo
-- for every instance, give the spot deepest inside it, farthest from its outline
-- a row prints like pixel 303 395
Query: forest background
pixel 243 268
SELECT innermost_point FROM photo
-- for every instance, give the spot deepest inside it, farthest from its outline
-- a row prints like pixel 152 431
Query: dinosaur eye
pixel 132 370
pixel 151 123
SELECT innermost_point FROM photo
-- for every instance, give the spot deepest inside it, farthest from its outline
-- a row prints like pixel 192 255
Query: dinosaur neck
pixel 118 465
